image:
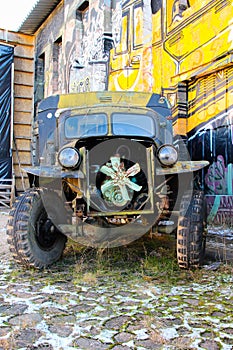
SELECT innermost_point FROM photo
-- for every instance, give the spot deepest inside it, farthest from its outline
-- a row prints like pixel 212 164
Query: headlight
pixel 69 157
pixel 167 155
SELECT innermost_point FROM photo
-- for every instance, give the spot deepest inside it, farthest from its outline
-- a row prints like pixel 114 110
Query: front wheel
pixel 34 239
pixel 191 230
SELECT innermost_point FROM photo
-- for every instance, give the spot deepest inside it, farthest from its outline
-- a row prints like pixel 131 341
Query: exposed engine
pixel 120 184
pixel 117 183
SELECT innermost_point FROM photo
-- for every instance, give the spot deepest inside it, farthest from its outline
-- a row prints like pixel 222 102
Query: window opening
pixel 57 57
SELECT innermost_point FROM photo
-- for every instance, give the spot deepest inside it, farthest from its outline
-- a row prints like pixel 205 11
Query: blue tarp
pixel 6 60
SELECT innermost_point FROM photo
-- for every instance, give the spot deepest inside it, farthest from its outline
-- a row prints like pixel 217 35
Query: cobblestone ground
pixel 61 308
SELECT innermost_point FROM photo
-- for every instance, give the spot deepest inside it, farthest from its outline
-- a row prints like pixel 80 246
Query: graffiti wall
pixel 210 136
pixel 131 59
pixel 188 58
pixel 90 68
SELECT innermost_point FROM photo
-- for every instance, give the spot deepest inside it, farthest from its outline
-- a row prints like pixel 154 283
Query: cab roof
pixel 107 98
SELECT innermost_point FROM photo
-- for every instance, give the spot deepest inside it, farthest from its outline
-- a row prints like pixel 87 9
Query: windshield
pixel 133 124
pixel 86 125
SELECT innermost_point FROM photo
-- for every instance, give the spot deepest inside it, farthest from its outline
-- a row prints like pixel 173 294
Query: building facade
pixel 72 48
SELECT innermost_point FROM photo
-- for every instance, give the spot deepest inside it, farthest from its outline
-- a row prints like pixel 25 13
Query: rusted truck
pixel 105 172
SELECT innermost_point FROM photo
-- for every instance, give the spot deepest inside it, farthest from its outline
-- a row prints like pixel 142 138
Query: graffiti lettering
pixel 220 210
pixel 219 177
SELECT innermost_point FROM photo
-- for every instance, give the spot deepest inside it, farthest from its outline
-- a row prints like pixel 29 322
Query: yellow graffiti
pixel 191 43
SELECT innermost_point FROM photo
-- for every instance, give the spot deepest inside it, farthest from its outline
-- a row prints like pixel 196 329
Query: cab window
pixel 132 124
pixel 86 125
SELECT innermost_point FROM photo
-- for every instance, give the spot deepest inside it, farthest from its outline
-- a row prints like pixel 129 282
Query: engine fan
pixel 120 183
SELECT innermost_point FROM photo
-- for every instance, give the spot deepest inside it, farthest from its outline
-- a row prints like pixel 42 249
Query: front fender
pixel 182 167
pixel 54 172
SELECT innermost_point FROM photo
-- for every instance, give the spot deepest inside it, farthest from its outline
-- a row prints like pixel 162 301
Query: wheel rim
pixel 46 234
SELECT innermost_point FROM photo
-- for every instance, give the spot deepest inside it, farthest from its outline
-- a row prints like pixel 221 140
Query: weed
pixel 151 258
pixel 90 278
